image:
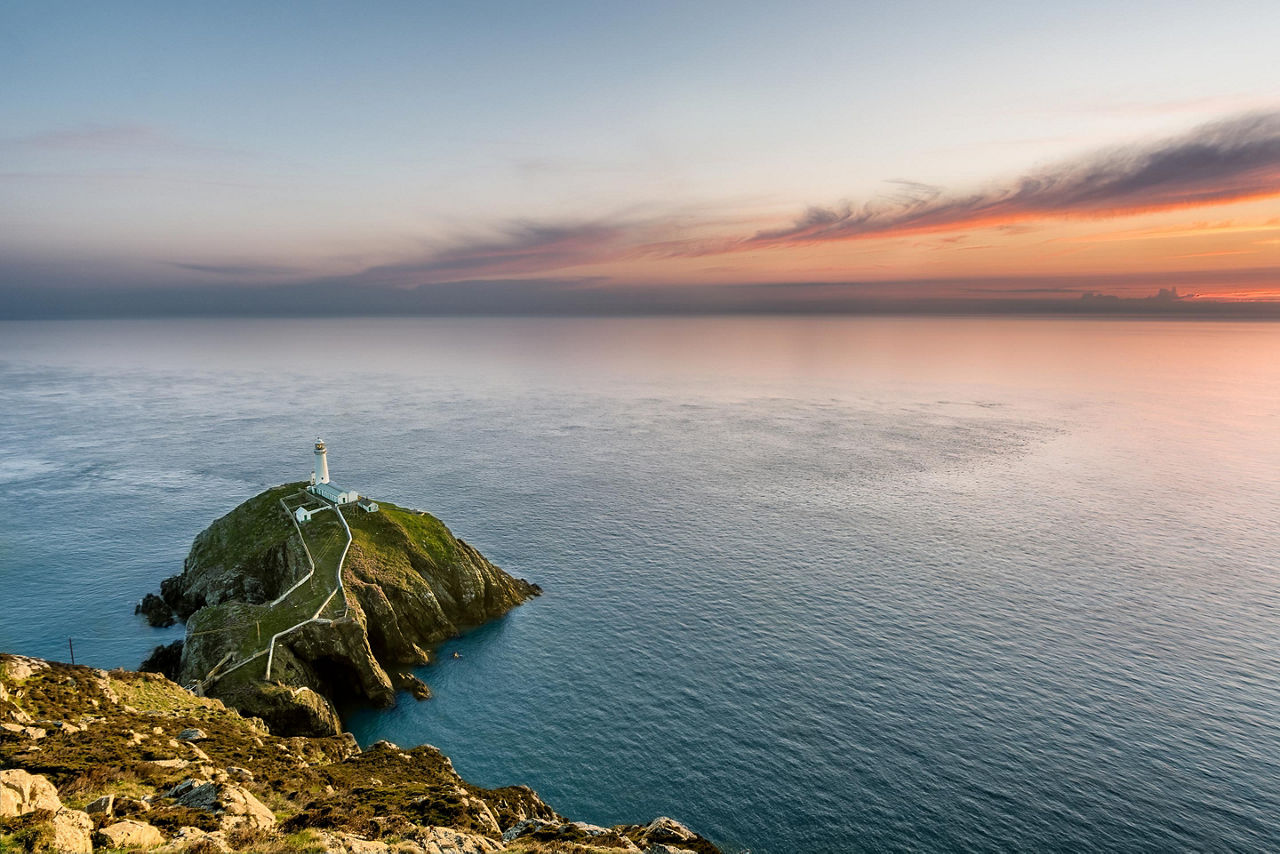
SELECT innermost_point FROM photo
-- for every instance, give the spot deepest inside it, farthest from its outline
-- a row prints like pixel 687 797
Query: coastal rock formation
pixel 21 793
pixel 128 834
pixel 409 584
pixel 248 790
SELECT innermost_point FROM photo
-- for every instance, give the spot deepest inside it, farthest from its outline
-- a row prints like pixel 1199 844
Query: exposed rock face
pixel 665 830
pixel 415 686
pixel 234 805
pixel 166 659
pixel 156 610
pixel 21 793
pixel 409 583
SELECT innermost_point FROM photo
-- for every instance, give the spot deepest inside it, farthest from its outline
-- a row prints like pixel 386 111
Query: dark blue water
pixel 811 585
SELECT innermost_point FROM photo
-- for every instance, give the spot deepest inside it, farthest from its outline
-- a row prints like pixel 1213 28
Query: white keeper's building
pixel 324 488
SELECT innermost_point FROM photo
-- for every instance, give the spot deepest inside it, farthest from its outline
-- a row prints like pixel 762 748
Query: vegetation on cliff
pixel 96 760
pixel 407 584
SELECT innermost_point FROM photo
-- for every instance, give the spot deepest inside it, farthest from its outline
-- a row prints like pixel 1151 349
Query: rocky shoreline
pixel 124 761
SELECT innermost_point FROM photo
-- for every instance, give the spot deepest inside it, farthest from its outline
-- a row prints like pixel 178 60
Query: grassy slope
pixel 259 524
pixel 249 628
pixel 395 534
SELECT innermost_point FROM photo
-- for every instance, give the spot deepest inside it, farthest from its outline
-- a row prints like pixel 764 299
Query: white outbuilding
pixel 336 494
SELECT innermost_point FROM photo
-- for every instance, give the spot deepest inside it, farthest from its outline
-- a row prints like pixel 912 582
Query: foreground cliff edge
pixel 275 630
pixel 124 761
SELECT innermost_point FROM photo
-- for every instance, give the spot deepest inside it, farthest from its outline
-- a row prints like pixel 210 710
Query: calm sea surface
pixel 812 585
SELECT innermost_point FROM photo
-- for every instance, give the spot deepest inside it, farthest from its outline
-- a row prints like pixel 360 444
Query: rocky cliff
pixel 119 761
pixel 408 583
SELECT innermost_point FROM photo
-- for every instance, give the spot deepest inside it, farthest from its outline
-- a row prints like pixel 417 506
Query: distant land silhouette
pixel 1145 295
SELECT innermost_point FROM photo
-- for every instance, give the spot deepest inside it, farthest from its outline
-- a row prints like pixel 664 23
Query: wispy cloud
pixel 1221 162
pixel 516 248
pixel 112 138
pixel 239 269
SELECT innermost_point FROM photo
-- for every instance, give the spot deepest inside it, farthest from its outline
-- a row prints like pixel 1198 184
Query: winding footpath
pixel 283 601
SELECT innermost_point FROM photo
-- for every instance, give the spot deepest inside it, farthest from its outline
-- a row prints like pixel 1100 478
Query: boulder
pixel 665 830
pixel 34 733
pixel 129 834
pixel 526 827
pixel 72 832
pixel 446 840
pixel 360 845
pixel 237 805
pixel 244 775
pixel 192 734
pixel 192 840
pixel 21 793
pixel 667 849
pixel 62 727
pixel 418 689
pixel 591 829
pixel 130 806
pixel 170 764
pixel 104 805
pixel 156 610
pixel 17 668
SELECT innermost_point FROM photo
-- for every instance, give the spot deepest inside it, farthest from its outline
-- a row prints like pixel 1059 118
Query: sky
pixel 614 156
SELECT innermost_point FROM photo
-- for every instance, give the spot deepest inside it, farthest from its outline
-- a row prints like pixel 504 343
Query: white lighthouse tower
pixel 321 472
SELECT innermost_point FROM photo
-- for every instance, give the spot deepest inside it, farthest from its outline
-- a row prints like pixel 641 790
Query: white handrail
pixel 310 560
pixel 271 647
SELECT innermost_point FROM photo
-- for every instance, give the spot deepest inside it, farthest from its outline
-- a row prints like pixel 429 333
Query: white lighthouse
pixel 321 472
pixel 324 488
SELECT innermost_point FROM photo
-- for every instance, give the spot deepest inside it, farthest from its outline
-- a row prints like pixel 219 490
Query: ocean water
pixel 812 585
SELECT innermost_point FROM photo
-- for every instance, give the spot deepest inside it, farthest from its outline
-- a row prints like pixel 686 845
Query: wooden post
pixel 72 647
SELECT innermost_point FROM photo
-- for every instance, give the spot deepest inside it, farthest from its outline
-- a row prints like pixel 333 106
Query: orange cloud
pixel 1228 161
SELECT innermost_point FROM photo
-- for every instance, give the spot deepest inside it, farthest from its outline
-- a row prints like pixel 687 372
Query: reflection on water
pixel 812 584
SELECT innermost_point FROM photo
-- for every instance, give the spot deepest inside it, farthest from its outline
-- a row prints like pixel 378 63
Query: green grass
pixel 150 696
pixel 258 523
pixel 248 628
pixel 387 533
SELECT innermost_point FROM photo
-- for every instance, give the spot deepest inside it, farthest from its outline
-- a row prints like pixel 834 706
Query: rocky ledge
pixel 122 761
pixel 408 582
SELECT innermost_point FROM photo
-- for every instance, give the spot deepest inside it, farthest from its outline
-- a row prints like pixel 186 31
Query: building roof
pixel 331 491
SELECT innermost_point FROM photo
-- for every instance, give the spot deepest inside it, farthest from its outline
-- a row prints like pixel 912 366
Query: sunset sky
pixel 506 153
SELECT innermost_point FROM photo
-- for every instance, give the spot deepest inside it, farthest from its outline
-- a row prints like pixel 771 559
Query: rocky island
pixel 302 597
pixel 366 594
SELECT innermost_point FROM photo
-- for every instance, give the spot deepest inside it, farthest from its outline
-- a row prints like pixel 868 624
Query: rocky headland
pixel 92 760
pixel 231 740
